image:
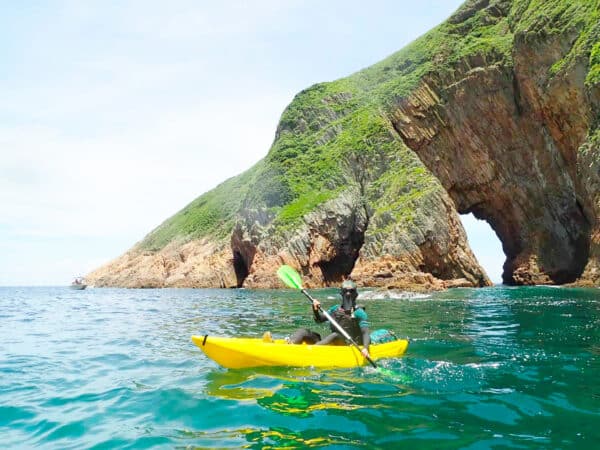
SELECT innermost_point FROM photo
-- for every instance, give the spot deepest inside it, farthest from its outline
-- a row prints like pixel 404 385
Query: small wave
pixel 490 365
pixel 10 414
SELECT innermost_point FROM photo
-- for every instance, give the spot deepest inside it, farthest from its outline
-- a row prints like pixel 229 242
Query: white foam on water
pixel 391 294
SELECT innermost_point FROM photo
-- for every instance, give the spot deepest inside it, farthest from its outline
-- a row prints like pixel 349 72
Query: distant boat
pixel 78 284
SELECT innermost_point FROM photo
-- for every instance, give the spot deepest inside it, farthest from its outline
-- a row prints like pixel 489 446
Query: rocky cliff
pixel 494 112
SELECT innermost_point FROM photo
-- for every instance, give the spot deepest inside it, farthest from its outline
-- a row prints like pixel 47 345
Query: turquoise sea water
pixel 486 368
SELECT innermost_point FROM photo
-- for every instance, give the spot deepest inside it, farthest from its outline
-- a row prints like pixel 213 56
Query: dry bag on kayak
pixel 381 336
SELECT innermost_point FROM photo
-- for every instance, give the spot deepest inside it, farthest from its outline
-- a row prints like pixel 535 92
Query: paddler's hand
pixel 365 353
pixel 316 304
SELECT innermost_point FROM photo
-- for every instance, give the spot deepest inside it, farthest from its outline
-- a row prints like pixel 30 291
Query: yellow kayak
pixel 237 353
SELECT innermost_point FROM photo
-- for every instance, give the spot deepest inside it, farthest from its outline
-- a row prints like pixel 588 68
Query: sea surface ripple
pixel 500 367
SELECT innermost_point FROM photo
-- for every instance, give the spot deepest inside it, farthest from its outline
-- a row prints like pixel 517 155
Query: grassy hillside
pixel 331 130
pixel 210 215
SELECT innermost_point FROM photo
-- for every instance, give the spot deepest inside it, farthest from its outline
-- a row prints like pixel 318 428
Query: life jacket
pixel 348 323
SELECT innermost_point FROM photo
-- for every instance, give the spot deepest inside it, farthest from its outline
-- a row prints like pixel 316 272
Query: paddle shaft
pixel 338 327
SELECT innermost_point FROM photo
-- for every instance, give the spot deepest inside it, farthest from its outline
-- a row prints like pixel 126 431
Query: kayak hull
pixel 238 353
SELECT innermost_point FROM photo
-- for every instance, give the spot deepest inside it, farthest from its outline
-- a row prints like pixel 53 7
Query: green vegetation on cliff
pixel 210 215
pixel 593 76
pixel 337 133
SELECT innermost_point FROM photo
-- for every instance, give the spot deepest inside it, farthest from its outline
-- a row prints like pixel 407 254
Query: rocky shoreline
pixel 169 269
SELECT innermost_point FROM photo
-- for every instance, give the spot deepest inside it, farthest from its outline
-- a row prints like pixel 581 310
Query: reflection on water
pixel 240 385
pixel 491 325
pixel 286 438
pixel 300 391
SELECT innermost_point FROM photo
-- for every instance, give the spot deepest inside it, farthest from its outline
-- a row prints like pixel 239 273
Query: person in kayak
pixel 352 318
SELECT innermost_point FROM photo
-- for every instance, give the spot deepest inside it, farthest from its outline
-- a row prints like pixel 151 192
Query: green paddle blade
pixel 394 376
pixel 290 277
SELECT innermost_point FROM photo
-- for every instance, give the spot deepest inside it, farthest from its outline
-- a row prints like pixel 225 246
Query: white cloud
pixel 116 115
pixel 188 21
pixel 136 178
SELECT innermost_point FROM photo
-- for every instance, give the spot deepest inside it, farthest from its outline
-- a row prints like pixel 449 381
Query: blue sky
pixel 116 114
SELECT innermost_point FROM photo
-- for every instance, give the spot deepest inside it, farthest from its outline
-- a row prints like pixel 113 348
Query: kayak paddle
pixel 292 279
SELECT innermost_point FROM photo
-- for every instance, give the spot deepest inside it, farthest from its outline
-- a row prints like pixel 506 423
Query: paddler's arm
pixel 318 315
pixel 366 338
pixel 361 316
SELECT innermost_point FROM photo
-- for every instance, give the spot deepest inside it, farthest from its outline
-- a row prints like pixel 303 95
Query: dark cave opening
pixel 580 251
pixel 340 266
pixel 240 267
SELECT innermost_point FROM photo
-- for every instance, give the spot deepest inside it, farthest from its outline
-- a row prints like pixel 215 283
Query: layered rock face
pixel 333 243
pixel 495 112
pixel 588 172
pixel 199 264
pixel 504 141
pixel 337 241
pixel 514 172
